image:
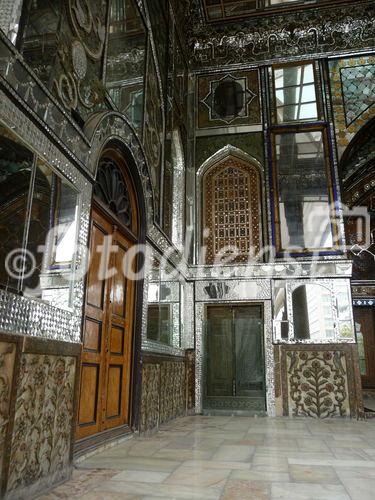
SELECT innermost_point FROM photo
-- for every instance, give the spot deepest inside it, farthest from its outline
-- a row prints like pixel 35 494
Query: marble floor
pixel 234 458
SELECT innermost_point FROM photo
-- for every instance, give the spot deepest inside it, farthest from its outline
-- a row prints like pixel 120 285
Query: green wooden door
pixel 234 359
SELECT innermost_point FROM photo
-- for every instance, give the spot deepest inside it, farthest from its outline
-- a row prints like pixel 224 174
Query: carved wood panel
pixel 232 211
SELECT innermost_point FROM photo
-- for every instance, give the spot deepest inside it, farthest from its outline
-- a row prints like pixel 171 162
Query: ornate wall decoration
pixel 232 210
pixel 363 291
pixel 232 290
pixel 163 392
pixel 229 98
pixel 111 189
pixel 104 126
pixel 320 381
pixel 265 38
pixel 250 143
pixel 353 96
pixel 68 54
pixel 190 377
pixel 172 390
pixel 317 384
pixel 41 443
pixel 32 317
pixel 154 128
pixel 78 81
pixel 10 15
pixel 150 399
pixel 358 89
pixel 7 360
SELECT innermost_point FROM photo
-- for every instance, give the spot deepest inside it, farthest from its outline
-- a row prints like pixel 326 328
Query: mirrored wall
pixel 314 311
pixel 125 63
pixel 39 212
pixel 165 295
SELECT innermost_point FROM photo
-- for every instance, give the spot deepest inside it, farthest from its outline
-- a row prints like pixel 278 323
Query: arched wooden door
pixel 106 369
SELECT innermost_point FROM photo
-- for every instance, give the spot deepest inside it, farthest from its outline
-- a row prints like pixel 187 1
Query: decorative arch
pixel 110 127
pixel 232 206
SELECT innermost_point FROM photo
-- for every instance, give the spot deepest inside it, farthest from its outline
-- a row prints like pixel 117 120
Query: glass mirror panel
pixel 295 93
pixel 38 224
pixel 361 349
pixel 313 311
pixel 281 323
pixel 344 310
pixel 304 204
pixel 52 235
pixel 313 314
pixel 16 164
pixel 163 302
pixel 126 60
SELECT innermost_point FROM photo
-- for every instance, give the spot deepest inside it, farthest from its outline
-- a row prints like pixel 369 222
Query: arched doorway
pixel 107 370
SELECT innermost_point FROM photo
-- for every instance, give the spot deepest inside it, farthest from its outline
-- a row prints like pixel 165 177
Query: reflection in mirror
pixel 281 317
pixel 10 18
pixel 39 37
pixel 164 303
pixel 344 309
pixel 295 93
pixel 51 236
pixel 39 214
pixel 125 60
pixel 304 204
pixel 16 163
pixel 361 349
pixel 313 314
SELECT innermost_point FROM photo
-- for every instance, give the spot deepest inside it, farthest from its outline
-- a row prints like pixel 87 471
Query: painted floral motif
pixel 43 420
pixel 317 384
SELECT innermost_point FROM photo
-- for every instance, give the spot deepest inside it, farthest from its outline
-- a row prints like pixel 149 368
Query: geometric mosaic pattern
pixel 235 103
pixel 358 87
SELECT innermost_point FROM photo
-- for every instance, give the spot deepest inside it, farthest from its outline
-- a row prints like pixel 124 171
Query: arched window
pixel 113 190
pixel 232 210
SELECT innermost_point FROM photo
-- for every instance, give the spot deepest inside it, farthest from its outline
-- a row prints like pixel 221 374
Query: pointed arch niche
pixel 231 189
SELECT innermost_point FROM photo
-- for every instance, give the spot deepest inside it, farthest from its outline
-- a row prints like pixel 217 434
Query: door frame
pixel 130 172
pixel 248 303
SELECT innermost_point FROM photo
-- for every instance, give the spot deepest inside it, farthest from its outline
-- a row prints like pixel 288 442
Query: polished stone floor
pixel 234 458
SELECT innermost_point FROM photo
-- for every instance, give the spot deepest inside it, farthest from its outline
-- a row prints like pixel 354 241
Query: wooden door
pixel 107 333
pixel 365 330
